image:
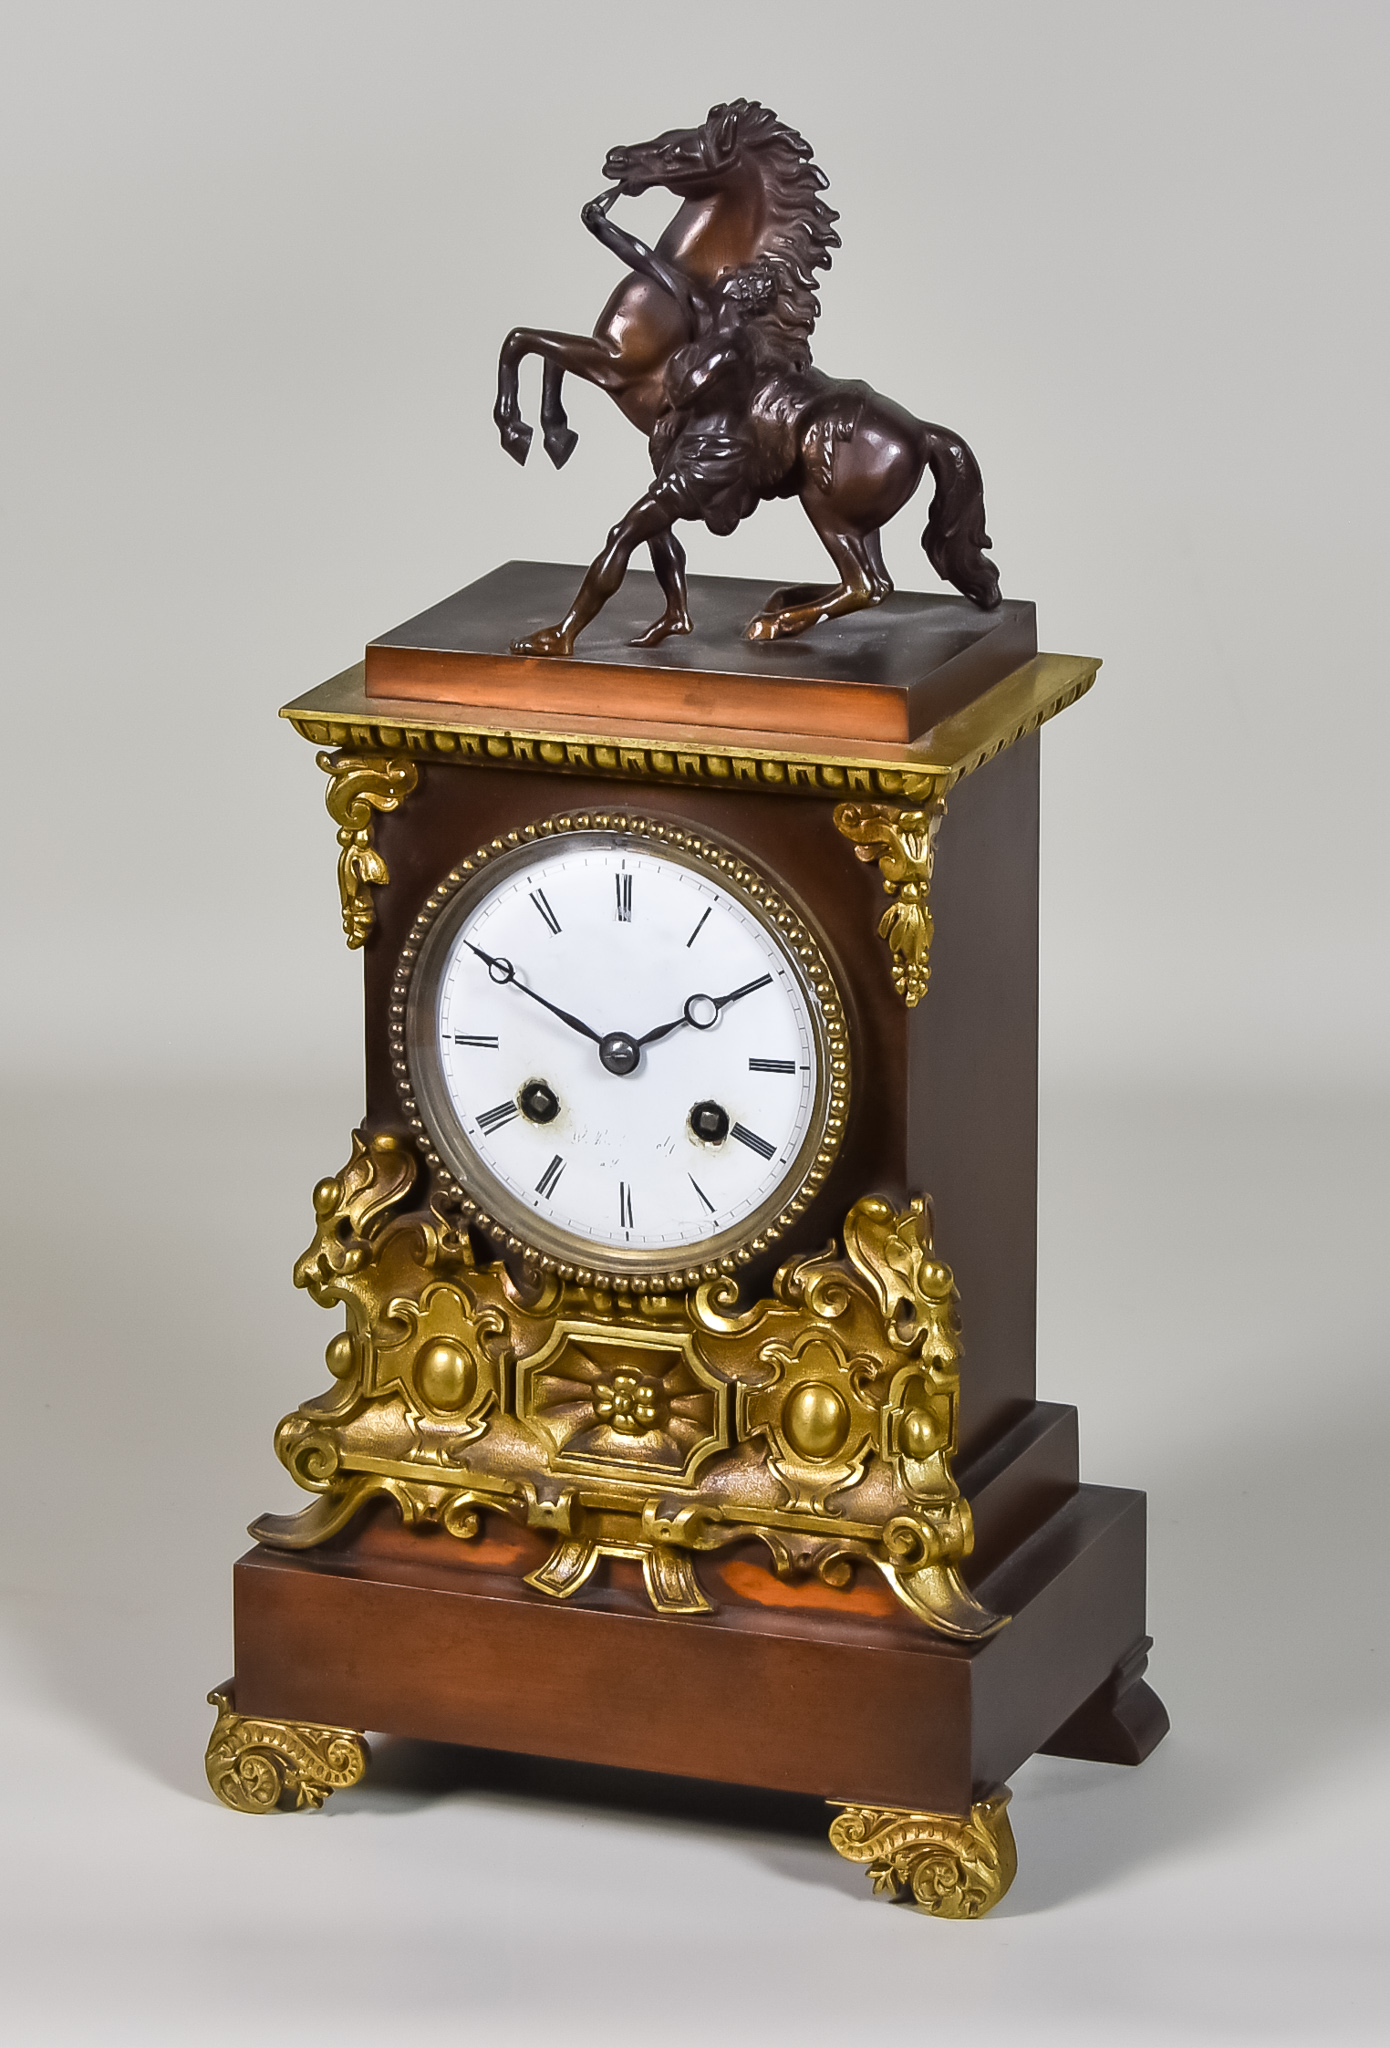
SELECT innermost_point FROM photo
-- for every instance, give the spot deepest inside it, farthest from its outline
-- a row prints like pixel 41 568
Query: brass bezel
pixel 414 1057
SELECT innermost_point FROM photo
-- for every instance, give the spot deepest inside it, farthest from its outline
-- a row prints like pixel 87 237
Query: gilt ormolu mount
pixel 735 1500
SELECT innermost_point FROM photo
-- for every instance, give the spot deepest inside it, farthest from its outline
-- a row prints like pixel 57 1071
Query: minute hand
pixel 502 971
pixel 717 1003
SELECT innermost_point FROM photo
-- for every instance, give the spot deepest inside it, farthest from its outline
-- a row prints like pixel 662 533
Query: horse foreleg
pixel 516 435
pixel 593 360
pixel 668 560
pixel 557 434
pixel 645 521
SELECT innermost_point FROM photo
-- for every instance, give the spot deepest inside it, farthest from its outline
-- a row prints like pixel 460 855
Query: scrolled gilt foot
pixel 952 1868
pixel 261 1766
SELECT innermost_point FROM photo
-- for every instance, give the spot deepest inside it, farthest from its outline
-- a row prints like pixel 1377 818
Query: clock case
pixel 904 1687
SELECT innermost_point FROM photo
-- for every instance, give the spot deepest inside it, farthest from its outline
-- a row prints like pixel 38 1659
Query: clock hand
pixel 502 972
pixel 732 997
pixel 702 1011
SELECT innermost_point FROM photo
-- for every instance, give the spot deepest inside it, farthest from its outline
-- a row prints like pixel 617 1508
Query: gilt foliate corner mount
pixel 903 844
pixel 359 786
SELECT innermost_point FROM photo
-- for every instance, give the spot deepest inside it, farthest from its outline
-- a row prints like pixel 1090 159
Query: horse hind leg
pixel 869 547
pixel 878 572
pixel 859 586
pixel 558 436
pixel 793 595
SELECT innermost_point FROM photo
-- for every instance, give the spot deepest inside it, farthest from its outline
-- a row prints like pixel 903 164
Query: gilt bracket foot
pixel 255 1765
pixel 951 1867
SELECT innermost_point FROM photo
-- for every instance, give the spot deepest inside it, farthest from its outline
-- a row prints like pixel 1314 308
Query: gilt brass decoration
pixel 340 714
pixel 358 786
pixel 904 845
pixel 820 1422
pixel 621 1401
pixel 260 1766
pixel 951 1868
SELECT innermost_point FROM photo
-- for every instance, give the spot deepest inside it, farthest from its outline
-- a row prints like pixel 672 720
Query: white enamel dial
pixel 620 1054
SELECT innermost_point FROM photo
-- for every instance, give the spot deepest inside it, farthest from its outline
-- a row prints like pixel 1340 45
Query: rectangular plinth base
pixel 842 1706
pixel 888 674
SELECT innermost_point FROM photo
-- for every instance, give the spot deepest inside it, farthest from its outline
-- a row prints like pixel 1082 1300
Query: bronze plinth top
pixel 890 674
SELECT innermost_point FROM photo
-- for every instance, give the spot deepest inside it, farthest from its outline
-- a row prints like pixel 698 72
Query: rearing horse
pixel 750 202
pixel 748 188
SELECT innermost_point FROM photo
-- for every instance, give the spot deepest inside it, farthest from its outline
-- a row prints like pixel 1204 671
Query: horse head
pixel 693 162
pixel 749 189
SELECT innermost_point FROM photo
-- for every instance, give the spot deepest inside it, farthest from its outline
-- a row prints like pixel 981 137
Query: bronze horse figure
pixel 750 211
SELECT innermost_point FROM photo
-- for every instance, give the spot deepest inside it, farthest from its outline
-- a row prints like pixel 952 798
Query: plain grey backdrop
pixel 257 260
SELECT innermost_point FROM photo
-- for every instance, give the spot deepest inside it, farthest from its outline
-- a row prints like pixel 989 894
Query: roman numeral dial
pixel 548 917
pixel 762 1146
pixel 626 1052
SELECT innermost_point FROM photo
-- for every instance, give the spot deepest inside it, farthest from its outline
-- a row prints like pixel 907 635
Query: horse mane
pixel 799 232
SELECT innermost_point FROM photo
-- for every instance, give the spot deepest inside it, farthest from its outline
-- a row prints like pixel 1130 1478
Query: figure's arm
pixel 683 390
pixel 637 256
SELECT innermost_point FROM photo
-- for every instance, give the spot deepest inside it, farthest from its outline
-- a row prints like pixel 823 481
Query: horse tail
pixel 955 537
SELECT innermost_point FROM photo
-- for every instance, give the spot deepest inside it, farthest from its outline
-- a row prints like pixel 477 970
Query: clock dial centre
pixel 619 1052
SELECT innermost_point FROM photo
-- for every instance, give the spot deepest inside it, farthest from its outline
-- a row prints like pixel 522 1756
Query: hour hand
pixel 502 972
pixel 702 1011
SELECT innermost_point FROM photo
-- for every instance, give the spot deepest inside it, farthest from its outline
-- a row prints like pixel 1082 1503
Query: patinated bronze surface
pixel 706 348
pixel 891 674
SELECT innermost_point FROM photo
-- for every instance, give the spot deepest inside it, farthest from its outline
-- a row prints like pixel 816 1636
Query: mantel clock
pixel 681 1410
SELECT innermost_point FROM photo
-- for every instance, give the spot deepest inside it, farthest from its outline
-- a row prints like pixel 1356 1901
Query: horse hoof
pixel 516 439
pixel 560 444
pixel 780 625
